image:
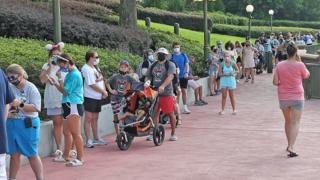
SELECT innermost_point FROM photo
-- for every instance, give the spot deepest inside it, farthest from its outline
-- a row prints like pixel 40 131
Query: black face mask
pixel 122 73
pixel 13 80
pixel 161 57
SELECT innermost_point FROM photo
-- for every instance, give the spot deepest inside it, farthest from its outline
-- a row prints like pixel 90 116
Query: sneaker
pixel 221 113
pixel 89 144
pixel 58 153
pixel 186 110
pixel 74 163
pixel 179 122
pixel 59 158
pixel 173 138
pixel 198 103
pixel 150 137
pixel 73 154
pixel 238 81
pixel 204 102
pixel 99 142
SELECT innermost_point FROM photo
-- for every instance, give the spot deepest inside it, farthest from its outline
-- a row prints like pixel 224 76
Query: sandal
pixel 74 163
pixel 291 154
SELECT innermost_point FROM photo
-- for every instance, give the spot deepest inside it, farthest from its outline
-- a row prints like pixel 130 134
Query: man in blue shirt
pixel 6 97
pixel 182 61
pixel 268 54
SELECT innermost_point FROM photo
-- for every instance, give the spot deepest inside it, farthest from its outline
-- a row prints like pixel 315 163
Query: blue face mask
pixel 64 69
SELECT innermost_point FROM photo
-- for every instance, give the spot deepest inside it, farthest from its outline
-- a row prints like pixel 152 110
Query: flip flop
pixel 291 154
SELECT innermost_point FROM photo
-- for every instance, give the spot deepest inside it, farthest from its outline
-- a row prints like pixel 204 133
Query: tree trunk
pixel 128 14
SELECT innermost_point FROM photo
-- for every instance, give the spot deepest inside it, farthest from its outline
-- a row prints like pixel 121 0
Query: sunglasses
pixel 97 57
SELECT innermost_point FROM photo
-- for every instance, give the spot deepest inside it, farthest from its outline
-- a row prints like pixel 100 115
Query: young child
pixel 119 85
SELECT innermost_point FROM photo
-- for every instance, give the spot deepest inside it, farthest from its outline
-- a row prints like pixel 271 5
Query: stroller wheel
pixel 124 141
pixel 164 119
pixel 158 135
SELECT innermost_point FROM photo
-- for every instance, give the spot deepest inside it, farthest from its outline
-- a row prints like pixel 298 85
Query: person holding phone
pixel 23 123
pixel 52 97
pixel 288 78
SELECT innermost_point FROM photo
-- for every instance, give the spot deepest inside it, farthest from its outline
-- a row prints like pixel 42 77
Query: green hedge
pixel 28 21
pixel 32 55
pixel 222 18
pixel 256 30
pixel 284 23
pixel 192 22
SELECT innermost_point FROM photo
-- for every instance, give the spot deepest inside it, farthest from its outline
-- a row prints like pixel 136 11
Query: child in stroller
pixel 137 118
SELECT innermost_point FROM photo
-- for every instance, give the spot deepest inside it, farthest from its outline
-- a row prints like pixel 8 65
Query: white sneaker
pixel 150 138
pixel 89 144
pixel 173 138
pixel 99 142
pixel 234 112
pixel 221 113
pixel 179 122
pixel 186 110
pixel 59 158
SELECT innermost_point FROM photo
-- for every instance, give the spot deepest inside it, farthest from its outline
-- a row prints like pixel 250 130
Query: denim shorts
pixel 295 104
pixel 21 139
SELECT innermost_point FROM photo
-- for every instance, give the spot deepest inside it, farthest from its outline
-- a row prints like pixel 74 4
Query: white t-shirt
pixel 92 76
pixel 52 96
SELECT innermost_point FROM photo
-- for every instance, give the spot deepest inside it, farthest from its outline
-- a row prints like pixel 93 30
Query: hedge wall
pixel 192 22
pixel 222 18
pixel 17 20
pixel 256 30
pixel 305 24
pixel 32 55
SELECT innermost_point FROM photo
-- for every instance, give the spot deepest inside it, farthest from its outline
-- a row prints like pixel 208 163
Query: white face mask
pixel 176 50
pixel 97 62
pixel 151 58
pixel 229 48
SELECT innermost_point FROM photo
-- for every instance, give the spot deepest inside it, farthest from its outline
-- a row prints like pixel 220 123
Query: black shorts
pixel 92 105
pixel 66 107
pixel 183 83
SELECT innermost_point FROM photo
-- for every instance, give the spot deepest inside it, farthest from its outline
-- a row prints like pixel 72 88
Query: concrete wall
pixel 47 145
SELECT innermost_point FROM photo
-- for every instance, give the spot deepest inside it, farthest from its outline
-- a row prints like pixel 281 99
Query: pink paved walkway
pixel 250 145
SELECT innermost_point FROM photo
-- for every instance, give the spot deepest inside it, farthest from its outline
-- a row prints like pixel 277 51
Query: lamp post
pixel 249 10
pixel 205 28
pixel 271 13
pixel 56 21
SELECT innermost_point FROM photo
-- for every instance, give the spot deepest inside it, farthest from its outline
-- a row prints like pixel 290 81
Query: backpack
pixel 166 65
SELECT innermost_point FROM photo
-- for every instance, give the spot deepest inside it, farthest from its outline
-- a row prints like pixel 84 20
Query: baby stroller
pixel 137 119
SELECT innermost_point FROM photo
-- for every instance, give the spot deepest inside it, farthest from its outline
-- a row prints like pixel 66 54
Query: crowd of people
pixel 71 93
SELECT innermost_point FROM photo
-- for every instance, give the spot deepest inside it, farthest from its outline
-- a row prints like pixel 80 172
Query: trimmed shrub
pixel 31 54
pixel 29 22
pixel 192 22
pixel 256 31
pixel 222 18
pixel 305 24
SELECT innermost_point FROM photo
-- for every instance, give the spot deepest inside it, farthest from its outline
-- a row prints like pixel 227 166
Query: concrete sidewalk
pixel 248 146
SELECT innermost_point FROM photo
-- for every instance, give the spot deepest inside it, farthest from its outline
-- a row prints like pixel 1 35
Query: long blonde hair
pixel 17 69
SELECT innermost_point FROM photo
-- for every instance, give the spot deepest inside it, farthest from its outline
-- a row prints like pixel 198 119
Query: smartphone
pixel 27 122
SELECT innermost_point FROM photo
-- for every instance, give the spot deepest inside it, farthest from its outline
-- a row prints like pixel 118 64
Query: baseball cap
pixel 124 62
pixel 163 50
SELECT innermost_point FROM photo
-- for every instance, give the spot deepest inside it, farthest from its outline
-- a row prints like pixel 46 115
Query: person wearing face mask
pixel 259 56
pixel 160 75
pixel 182 60
pixel 149 59
pixel 52 97
pixel 248 60
pixel 94 92
pixel 228 70
pixel 23 123
pixel 72 105
pixel 119 85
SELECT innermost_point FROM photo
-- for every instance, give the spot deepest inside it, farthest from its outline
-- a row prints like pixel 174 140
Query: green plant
pixel 176 5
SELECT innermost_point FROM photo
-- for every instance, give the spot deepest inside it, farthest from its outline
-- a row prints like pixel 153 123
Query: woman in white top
pixel 52 97
pixel 248 60
pixel 94 92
